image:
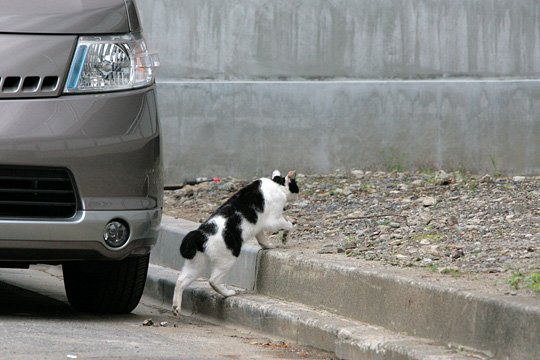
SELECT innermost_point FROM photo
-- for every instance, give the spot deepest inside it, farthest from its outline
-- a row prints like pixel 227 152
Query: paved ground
pixel 37 322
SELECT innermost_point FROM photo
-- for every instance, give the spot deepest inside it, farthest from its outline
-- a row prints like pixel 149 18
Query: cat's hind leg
pixel 220 268
pixel 191 270
pixel 263 241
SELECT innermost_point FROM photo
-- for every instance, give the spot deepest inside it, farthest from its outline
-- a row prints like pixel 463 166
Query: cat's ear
pixel 277 178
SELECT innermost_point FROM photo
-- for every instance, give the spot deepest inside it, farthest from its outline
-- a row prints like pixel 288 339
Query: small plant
pixel 453 272
pixel 515 280
pixel 473 186
pixel 393 159
pixel 432 237
pixel 496 171
pixel 433 268
pixel 367 188
pixel 531 281
pixel 427 171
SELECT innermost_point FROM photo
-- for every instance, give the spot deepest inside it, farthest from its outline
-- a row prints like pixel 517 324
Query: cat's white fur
pixel 218 255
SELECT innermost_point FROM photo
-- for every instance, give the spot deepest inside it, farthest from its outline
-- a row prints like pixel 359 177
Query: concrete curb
pixel 506 328
pixel 347 339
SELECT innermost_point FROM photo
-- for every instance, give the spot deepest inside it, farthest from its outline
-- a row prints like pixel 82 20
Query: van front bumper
pixel 79 238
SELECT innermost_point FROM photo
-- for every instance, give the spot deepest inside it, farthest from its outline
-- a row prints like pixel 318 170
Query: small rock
pixel 359 174
pixel 228 186
pixel 427 201
pixel 456 254
pixel 452 220
pixel 426 219
pixel 328 249
pixel 355 214
pixel 384 237
pixel 148 322
pixel 442 178
pixel 369 255
pixel 302 203
pixel 486 179
pixel 394 225
pixel 163 323
pixel 449 270
pixel 348 244
pixel 434 250
pixel 518 178
pixel 402 257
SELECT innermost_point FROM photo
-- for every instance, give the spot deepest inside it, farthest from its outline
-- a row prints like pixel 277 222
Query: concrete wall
pixel 247 86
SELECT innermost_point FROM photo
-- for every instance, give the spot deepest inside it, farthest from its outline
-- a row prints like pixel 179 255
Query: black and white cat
pixel 252 211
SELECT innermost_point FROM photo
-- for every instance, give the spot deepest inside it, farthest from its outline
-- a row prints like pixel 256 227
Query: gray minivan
pixel 80 156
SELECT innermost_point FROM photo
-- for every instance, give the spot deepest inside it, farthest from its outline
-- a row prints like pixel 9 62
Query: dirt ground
pixel 456 225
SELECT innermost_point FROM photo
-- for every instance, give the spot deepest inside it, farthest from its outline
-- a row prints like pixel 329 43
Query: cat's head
pixel 288 182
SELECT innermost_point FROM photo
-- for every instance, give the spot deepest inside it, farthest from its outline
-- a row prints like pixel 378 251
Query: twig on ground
pixel 377 216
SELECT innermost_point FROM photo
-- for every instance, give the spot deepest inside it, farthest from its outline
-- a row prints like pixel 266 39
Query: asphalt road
pixel 36 322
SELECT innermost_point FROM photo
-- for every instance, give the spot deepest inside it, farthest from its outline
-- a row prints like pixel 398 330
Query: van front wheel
pixel 106 286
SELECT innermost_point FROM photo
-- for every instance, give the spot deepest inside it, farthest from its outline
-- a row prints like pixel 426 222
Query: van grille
pixel 32 192
pixel 29 86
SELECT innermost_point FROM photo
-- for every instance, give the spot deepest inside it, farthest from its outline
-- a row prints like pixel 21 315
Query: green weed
pixel 496 171
pixel 533 281
pixel 433 268
pixel 453 272
pixel 393 160
pixel 515 280
pixel 519 280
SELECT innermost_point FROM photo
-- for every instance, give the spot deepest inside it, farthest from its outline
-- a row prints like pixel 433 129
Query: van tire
pixel 106 286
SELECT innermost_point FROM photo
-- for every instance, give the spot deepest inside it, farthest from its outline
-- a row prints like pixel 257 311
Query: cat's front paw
pixel 289 223
pixel 267 246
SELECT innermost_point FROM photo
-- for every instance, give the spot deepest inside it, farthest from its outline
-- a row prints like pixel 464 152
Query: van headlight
pixel 109 63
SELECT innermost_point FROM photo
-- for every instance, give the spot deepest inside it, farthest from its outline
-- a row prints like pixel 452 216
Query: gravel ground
pixel 460 225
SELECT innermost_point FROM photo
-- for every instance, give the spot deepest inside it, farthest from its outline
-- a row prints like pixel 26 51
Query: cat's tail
pixel 192 242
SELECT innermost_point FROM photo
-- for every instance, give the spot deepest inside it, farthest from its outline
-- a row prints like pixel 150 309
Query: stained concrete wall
pixel 247 86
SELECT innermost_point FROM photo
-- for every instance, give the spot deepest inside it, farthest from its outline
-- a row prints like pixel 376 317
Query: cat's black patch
pixel 208 228
pixel 232 234
pixel 249 201
pixel 279 179
pixel 194 241
pixel 293 187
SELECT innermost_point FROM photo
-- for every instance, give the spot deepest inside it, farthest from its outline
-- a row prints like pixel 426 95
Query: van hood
pixel 68 17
